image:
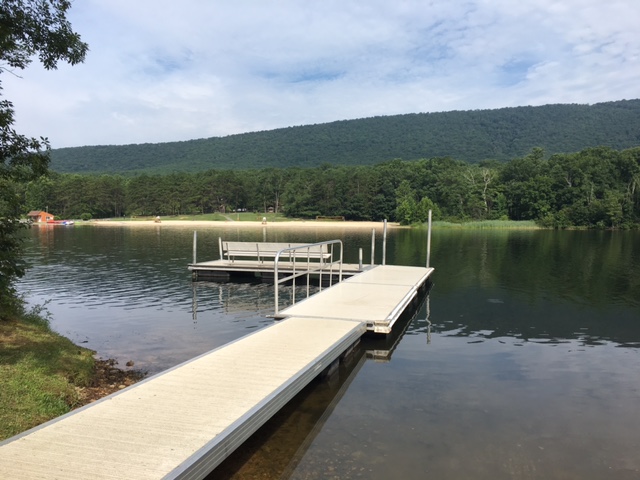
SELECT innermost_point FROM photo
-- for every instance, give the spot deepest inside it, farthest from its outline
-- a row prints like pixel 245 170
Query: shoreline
pixel 293 224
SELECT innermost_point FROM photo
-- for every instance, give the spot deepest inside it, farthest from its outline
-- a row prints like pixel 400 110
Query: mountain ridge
pixel 470 135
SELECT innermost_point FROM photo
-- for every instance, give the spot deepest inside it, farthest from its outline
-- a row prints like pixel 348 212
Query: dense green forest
pixel 596 187
pixel 472 136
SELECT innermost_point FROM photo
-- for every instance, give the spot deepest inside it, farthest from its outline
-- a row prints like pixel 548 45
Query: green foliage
pixel 20 161
pixel 422 210
pixel 472 136
pixel 594 188
pixel 38 27
pixel 27 28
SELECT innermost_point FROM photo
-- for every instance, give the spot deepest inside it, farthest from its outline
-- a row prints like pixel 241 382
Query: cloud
pixel 163 70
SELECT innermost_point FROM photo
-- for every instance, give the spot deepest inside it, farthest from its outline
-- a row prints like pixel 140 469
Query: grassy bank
pixel 44 375
pixel 489 224
pixel 40 372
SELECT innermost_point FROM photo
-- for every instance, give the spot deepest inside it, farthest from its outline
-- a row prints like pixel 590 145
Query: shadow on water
pixel 276 449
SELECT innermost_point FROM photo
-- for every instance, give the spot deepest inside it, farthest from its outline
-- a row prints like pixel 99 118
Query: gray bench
pixel 264 250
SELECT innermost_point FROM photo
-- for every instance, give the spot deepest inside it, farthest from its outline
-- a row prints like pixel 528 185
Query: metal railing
pixel 307 267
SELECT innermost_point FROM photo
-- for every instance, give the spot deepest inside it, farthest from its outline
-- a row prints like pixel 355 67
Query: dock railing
pixel 301 257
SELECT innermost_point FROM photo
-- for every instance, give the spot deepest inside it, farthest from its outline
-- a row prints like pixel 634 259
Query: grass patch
pixel 39 373
pixel 488 224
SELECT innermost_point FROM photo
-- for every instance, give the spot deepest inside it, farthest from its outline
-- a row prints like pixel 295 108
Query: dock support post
pixel 373 245
pixel 276 284
pixel 195 245
pixel 384 243
pixel 429 240
pixel 220 248
pixel 360 259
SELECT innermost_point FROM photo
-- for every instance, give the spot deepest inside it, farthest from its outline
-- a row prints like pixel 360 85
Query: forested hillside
pixel 470 136
pixel 595 187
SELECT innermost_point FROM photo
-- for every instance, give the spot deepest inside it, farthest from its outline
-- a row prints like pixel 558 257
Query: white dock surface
pixel 377 297
pixel 183 422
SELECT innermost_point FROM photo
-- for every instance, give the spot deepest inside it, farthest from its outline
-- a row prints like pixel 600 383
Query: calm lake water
pixel 522 362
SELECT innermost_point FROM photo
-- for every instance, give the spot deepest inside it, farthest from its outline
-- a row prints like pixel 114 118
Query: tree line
pixel 473 136
pixel 596 187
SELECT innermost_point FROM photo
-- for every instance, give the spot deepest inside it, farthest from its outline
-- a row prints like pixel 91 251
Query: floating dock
pixel 259 259
pixel 182 423
pixel 376 297
pixel 226 270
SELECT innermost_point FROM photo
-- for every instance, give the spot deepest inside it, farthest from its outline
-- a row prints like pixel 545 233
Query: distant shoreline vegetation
pixel 596 187
pixel 489 224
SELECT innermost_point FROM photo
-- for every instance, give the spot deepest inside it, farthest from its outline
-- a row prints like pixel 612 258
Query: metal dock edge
pixel 183 422
pixel 213 453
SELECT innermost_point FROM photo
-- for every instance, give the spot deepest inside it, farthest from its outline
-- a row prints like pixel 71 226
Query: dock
pixel 226 270
pixel 376 297
pixel 182 423
pixel 260 259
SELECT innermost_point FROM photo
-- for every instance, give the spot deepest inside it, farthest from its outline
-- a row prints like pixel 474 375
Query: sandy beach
pixel 294 224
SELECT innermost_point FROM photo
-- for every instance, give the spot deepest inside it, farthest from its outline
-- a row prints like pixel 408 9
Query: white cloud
pixel 165 70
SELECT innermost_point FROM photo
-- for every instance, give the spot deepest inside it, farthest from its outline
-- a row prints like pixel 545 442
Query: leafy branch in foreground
pixel 28 28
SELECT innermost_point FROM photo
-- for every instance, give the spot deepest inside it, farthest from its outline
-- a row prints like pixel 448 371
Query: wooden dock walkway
pixel 376 297
pixel 183 422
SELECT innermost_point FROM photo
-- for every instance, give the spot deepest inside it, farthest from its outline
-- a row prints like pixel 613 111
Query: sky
pixel 167 70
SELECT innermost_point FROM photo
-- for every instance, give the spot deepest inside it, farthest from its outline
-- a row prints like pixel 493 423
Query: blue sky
pixel 160 70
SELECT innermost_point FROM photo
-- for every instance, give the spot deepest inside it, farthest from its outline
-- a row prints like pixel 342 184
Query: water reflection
pixel 497 313
pixel 244 295
pixel 591 268
pixel 277 449
pixel 381 348
pixel 511 369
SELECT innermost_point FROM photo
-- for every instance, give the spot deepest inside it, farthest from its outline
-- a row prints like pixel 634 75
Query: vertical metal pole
pixel 220 248
pixel 309 269
pixel 384 243
pixel 195 245
pixel 373 245
pixel 428 319
pixel 341 259
pixel 429 240
pixel 276 284
pixel 331 268
pixel 360 259
pixel 194 303
pixel 293 290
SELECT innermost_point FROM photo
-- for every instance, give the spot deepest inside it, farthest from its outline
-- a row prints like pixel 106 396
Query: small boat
pixel 60 222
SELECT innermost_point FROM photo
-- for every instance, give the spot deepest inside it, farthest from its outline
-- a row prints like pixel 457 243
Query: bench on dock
pixel 263 250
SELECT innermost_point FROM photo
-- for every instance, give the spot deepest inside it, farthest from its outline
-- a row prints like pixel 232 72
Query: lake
pixel 521 362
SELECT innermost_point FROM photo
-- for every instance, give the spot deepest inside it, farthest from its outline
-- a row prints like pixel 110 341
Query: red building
pixel 38 216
